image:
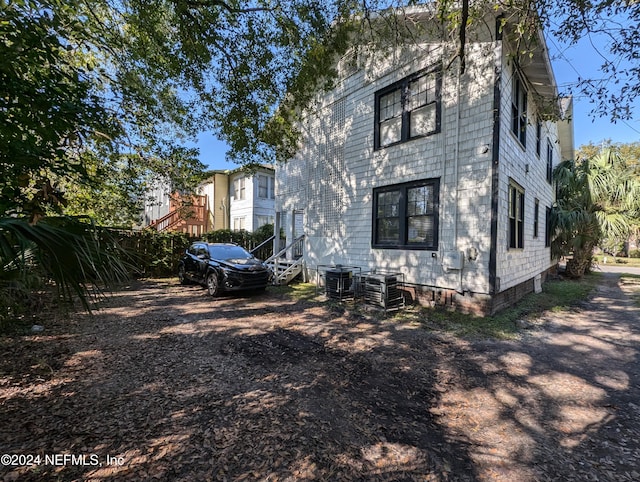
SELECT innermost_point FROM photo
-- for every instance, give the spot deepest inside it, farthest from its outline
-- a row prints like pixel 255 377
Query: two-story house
pixel 252 198
pixel 224 200
pixel 411 166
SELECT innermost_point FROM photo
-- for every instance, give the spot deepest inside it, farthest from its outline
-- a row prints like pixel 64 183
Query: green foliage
pixel 48 108
pixel 598 198
pixel 81 131
pixel 156 254
pixel 99 97
pixel 75 259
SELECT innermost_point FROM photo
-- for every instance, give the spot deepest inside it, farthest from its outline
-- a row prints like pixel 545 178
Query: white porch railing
pixel 285 270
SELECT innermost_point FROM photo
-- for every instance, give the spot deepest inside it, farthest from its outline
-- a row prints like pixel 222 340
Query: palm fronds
pixel 76 258
pixel 598 199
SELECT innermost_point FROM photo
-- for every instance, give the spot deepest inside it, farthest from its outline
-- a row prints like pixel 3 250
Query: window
pixel 547 223
pixel 549 161
pixel 538 137
pixel 262 220
pixel 406 215
pixel 238 224
pixel 238 188
pixel 263 186
pixel 266 187
pixel 516 216
pixel 519 110
pixel 408 109
pixel 536 214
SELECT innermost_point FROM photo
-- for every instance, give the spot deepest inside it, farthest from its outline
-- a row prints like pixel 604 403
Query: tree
pixel 598 198
pixel 69 117
pixel 47 109
pixel 132 81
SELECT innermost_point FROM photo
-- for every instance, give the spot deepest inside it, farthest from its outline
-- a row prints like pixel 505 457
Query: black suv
pixel 223 267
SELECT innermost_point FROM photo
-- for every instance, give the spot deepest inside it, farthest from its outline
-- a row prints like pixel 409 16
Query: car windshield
pixel 228 252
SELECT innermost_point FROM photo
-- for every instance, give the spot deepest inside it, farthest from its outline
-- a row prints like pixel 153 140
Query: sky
pixel 569 64
pixel 582 60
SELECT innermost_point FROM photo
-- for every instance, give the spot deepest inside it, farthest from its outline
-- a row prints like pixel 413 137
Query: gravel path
pixel 563 403
pixel 165 383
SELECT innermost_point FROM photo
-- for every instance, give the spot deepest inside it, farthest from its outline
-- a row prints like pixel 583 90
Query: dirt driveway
pixel 166 383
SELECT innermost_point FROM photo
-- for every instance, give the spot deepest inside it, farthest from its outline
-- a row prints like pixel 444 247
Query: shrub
pixel 157 254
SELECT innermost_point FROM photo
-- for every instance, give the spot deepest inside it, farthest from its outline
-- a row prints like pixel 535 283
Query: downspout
pixel 494 282
pixel 456 159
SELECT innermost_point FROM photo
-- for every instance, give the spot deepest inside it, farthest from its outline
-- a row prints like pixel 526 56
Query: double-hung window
pixel 516 216
pixel 238 188
pixel 406 215
pixel 408 109
pixel 266 188
pixel 519 109
pixel 536 216
pixel 238 224
pixel 263 186
pixel 547 227
pixel 549 161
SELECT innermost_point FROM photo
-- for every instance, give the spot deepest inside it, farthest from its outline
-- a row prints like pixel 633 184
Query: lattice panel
pixel 326 203
pixel 293 180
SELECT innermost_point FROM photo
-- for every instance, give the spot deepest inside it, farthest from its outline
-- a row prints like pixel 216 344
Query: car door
pixel 191 263
pixel 202 262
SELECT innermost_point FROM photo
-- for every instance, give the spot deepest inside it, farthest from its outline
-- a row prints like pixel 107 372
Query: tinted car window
pixel 202 250
pixel 228 252
pixel 192 249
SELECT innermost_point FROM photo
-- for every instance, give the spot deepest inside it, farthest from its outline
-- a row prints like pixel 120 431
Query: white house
pixel 156 202
pixel 224 200
pixel 409 166
pixel 252 198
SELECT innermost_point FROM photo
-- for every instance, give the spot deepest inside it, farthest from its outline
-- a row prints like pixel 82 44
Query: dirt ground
pixel 166 383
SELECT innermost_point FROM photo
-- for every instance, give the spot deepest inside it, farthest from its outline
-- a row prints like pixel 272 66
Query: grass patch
pixel 296 291
pixel 557 296
pixel 617 261
pixel 630 284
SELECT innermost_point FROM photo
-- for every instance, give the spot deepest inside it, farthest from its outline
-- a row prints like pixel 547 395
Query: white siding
pixel 333 176
pixel 523 165
pixel 252 206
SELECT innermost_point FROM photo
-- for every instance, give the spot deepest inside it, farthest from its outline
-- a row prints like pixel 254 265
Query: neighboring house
pixel 225 200
pixel 252 198
pixel 406 166
pixel 216 190
pixel 156 203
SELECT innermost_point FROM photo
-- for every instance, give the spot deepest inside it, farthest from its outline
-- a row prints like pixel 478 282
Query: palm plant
pixel 597 198
pixel 76 259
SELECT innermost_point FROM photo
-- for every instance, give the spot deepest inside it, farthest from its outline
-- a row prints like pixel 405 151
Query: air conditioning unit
pixel 383 291
pixel 339 283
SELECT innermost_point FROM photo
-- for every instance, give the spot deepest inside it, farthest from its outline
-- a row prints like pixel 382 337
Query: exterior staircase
pixel 188 216
pixel 287 268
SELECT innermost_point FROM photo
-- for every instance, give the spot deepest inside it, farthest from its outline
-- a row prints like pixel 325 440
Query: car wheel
pixel 181 275
pixel 213 285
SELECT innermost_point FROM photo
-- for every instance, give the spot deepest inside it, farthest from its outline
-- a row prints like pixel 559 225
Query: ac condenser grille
pixel 383 291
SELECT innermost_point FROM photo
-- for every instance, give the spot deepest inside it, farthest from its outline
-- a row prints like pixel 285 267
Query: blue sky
pixel 583 60
pixel 569 63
